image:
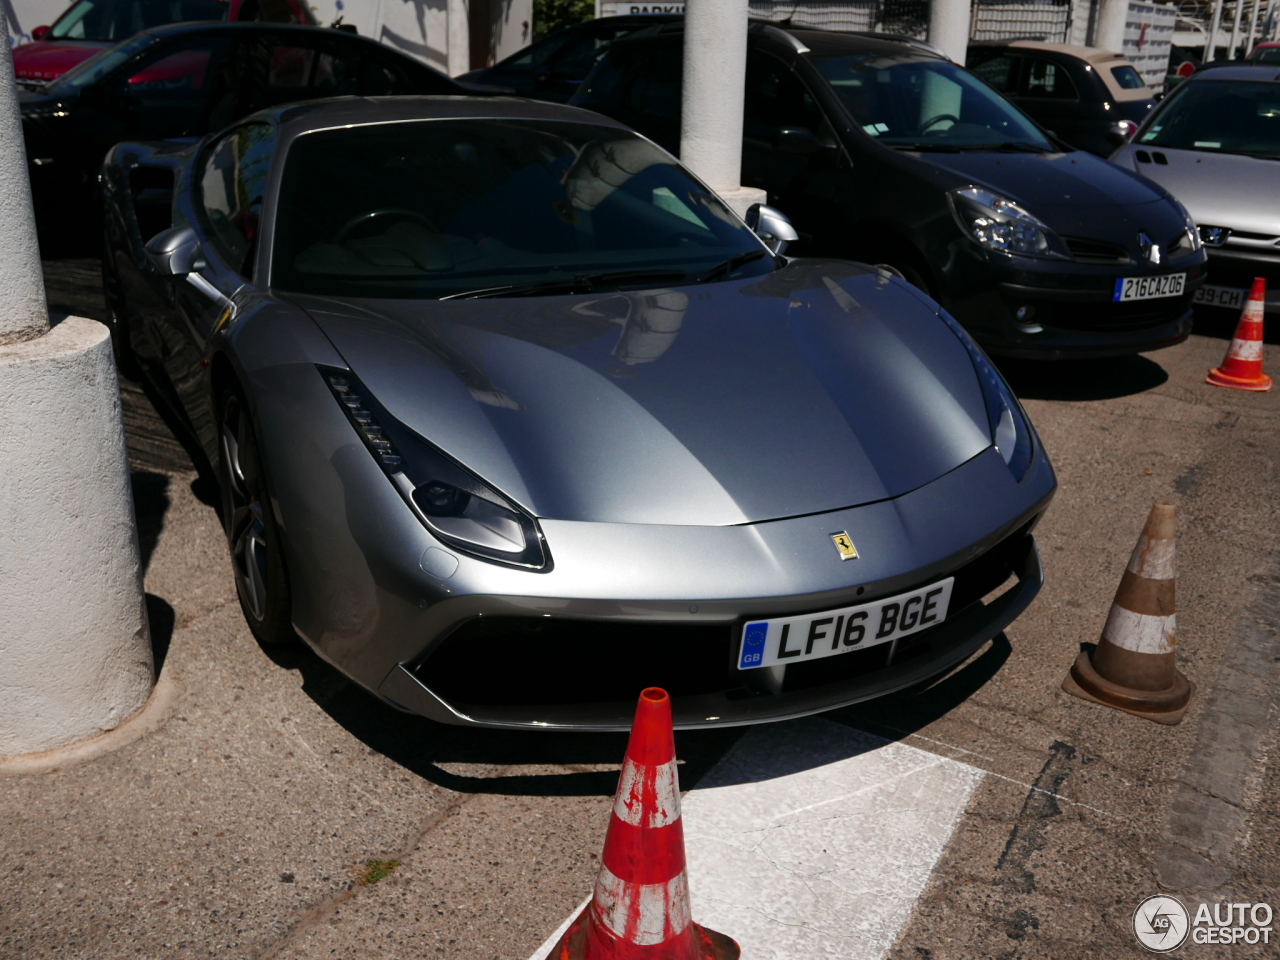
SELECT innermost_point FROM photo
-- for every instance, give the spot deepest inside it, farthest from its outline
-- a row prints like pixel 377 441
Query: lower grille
pixel 492 661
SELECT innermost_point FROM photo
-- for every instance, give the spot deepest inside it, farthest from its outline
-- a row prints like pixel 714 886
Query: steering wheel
pixel 395 213
pixel 938 119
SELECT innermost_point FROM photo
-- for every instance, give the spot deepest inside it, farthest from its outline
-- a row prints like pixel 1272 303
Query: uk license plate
pixel 783 640
pixel 1232 297
pixel 1149 288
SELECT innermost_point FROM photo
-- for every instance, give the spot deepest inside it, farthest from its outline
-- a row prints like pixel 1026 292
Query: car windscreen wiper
pixel 726 267
pixel 1009 146
pixel 581 283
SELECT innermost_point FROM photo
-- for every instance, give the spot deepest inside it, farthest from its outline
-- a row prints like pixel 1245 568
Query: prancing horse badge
pixel 844 546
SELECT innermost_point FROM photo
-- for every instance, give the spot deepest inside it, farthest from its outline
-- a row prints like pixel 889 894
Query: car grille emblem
pixel 1150 249
pixel 1214 236
pixel 844 546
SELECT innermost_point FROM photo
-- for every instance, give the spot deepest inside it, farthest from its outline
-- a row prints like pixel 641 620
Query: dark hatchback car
pixel 882 152
pixel 187 79
pixel 88 26
pixel 1091 98
pixel 555 66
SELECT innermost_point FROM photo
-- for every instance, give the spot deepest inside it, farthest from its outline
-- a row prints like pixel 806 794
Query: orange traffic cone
pixel 1134 667
pixel 1242 366
pixel 640 910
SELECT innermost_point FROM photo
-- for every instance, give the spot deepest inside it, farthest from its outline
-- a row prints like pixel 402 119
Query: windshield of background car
pixel 925 104
pixel 1220 116
pixel 437 208
pixel 113 20
pixel 100 64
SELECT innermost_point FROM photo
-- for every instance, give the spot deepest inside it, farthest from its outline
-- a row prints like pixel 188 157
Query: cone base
pixel 710 944
pixel 1260 384
pixel 1160 706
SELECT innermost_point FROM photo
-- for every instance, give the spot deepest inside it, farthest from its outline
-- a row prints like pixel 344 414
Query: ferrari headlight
pixel 1010 430
pixel 457 507
pixel 997 223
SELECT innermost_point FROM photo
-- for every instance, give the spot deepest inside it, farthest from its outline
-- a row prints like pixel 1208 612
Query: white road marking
pixel 810 840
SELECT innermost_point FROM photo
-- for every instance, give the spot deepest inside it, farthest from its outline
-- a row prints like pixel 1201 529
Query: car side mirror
pixel 176 252
pixel 800 142
pixel 772 227
pixel 39 32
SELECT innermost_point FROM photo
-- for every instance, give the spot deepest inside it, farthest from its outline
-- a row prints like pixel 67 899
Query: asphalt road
pixel 241 825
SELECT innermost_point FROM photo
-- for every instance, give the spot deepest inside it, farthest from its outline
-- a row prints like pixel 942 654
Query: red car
pixel 92 25
pixel 1265 52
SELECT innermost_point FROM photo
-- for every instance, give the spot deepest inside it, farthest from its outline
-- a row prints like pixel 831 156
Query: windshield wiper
pixel 582 282
pixel 727 267
pixel 1009 146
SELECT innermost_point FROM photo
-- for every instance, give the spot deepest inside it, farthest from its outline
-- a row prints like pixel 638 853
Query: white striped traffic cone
pixel 640 910
pixel 1134 667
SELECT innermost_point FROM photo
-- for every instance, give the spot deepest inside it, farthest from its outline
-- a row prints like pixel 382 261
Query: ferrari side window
pixel 231 189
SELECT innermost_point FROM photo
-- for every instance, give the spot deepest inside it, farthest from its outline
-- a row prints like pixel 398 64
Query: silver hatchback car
pixel 1215 145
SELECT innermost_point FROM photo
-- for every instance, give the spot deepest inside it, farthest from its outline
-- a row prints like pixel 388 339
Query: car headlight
pixel 1010 430
pixel 457 507
pixel 997 223
pixel 1188 241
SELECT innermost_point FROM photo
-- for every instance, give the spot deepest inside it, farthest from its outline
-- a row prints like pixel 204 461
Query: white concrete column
pixel 715 76
pixel 1235 29
pixel 1253 27
pixel 1111 25
pixel 459 37
pixel 75 658
pixel 949 27
pixel 23 313
pixel 1211 39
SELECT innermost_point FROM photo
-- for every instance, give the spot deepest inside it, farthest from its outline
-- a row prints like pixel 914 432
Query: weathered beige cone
pixel 1134 667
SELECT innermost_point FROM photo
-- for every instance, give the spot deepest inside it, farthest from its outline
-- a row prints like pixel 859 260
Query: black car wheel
pixel 262 583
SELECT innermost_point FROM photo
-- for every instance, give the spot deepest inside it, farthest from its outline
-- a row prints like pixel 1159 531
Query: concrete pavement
pixel 240 826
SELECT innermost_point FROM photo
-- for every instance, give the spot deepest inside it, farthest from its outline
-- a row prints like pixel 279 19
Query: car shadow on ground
pixel 436 751
pixel 901 714
pixel 440 753
pixel 1102 379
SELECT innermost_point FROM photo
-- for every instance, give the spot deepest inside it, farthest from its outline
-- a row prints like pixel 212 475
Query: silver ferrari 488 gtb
pixel 513 417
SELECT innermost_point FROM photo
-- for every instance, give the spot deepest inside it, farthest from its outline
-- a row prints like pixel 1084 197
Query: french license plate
pixel 1232 297
pixel 1149 288
pixel 767 643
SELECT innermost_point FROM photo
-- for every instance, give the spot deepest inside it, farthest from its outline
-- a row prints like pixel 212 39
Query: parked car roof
pixel 1088 54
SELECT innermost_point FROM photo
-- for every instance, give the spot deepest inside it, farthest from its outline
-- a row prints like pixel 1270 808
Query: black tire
pixel 257 560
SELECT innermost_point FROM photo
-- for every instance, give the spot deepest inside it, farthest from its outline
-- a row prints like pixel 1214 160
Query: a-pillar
pixel 715 78
pixel 75 657
pixel 949 27
pixel 1111 25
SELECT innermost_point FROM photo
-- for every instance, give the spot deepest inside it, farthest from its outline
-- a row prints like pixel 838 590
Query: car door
pixel 1001 70
pixel 229 187
pixel 790 150
pixel 1049 95
pixel 171 90
pixel 572 62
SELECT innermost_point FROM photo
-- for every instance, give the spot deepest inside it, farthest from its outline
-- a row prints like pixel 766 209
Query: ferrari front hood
pixel 821 386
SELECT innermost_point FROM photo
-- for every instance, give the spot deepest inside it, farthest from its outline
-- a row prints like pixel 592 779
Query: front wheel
pixel 262 583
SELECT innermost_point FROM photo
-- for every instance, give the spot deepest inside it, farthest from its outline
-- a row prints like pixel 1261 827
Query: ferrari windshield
pixel 114 20
pixel 1220 116
pixel 927 105
pixel 446 208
